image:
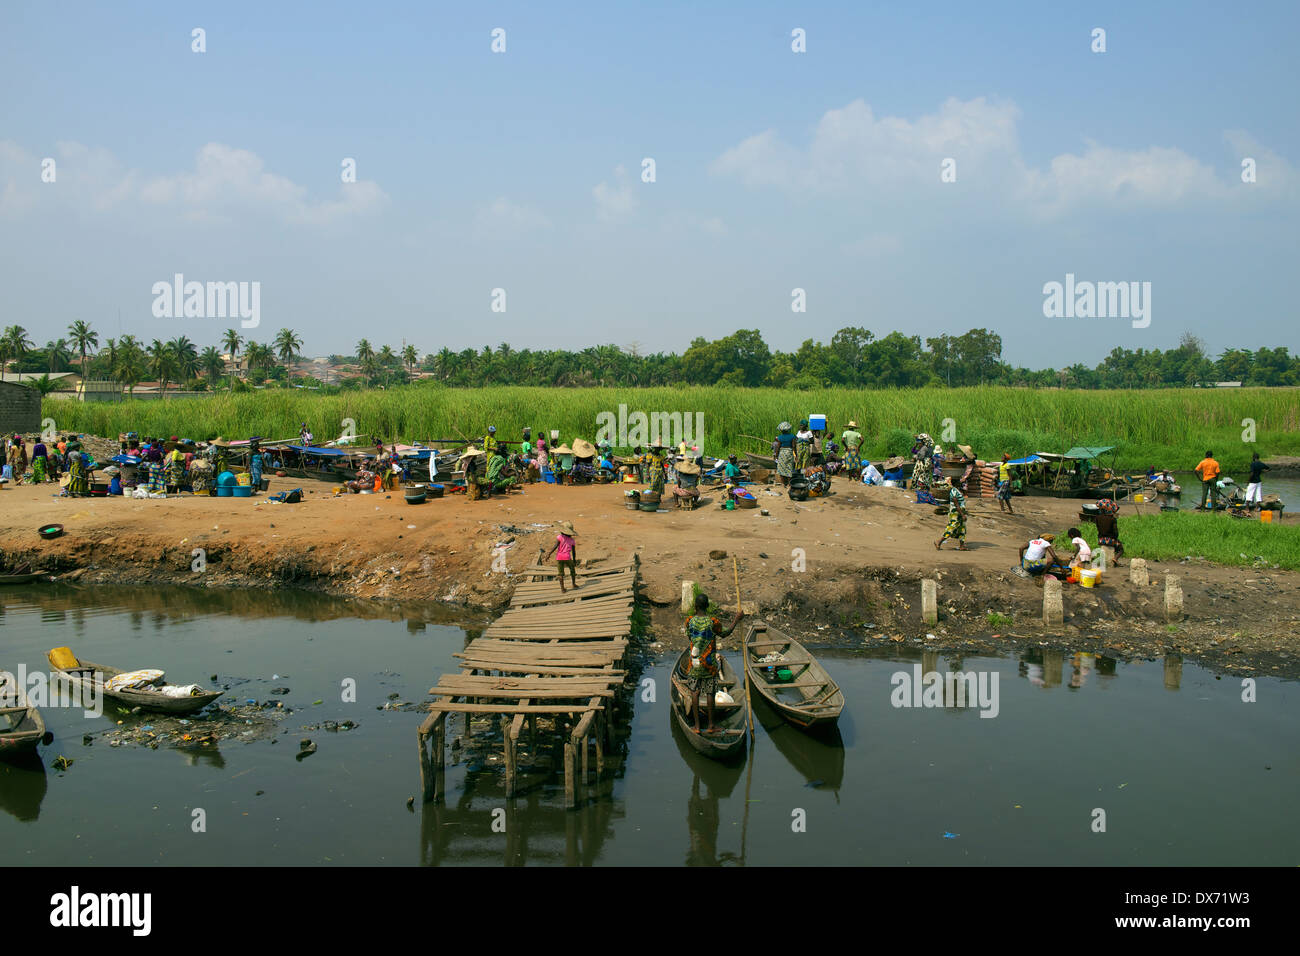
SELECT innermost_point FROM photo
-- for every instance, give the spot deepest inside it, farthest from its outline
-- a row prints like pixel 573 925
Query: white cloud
pixel 852 150
pixel 617 202
pixel 503 219
pixel 224 182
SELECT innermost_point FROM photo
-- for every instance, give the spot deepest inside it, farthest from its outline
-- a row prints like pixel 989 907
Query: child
pixel 1082 553
pixel 566 553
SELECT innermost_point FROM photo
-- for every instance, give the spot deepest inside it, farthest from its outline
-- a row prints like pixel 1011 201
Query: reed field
pixel 1167 428
pixel 1172 536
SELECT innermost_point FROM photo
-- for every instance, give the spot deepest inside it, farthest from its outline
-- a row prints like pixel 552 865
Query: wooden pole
pixel 744 654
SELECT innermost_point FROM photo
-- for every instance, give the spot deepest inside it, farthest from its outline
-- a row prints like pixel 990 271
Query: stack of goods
pixel 983 480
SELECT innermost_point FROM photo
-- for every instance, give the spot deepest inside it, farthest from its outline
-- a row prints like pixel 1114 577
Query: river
pixel 1181 769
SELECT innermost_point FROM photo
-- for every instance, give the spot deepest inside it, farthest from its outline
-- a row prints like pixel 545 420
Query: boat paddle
pixel 744 654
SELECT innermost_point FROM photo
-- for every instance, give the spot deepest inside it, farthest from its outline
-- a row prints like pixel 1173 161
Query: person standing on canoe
pixel 566 553
pixel 1208 469
pixel 704 631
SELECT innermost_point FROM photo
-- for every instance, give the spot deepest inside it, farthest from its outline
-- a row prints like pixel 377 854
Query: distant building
pixel 1227 385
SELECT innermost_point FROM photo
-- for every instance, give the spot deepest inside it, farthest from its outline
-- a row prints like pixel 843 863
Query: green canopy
pixel 1083 452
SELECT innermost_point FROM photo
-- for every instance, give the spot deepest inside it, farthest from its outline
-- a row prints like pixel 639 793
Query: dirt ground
pixel 864 554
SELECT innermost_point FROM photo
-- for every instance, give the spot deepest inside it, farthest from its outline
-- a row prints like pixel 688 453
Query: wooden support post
pixel 1137 573
pixel 426 769
pixel 440 758
pixel 929 601
pixel 510 747
pixel 585 764
pixel 570 799
pixel 600 746
pixel 532 730
pixel 1173 671
pixel 1053 609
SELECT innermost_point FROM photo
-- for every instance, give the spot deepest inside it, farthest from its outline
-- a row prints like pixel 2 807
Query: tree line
pixel 854 358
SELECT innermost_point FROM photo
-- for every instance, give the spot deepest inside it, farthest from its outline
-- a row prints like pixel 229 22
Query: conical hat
pixel 470 452
pixel 688 468
pixel 562 450
pixel 583 448
pixel 219 442
pixel 966 450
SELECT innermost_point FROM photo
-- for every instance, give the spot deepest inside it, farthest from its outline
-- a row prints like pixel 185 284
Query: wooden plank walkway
pixel 554 653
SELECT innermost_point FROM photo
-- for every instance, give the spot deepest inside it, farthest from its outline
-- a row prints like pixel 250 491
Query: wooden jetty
pixel 553 654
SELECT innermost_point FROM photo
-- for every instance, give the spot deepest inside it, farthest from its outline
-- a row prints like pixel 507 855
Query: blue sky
pixel 775 170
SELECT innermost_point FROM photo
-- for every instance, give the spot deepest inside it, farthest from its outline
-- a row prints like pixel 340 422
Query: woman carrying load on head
pixel 921 453
pixel 783 451
pixel 255 465
pixel 1108 527
pixel 803 442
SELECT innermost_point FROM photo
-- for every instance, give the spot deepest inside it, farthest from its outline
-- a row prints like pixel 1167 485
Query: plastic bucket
pixel 1266 517
pixel 1089 578
pixel 1139 498
pixel 241 491
pixel 223 491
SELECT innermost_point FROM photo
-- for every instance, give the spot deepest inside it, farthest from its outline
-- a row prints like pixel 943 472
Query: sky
pixel 774 170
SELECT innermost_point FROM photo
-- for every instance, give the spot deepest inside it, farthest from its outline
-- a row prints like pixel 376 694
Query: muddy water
pixel 1185 772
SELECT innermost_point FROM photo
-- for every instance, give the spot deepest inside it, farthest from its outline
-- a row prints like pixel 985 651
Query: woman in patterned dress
pixel 956 518
pixel 921 452
pixel 658 473
pixel 783 451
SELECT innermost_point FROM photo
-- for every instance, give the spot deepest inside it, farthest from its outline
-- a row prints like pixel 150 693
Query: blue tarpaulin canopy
pixel 1025 461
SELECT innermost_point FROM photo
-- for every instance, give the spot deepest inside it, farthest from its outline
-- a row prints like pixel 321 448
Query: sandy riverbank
pixel 865 553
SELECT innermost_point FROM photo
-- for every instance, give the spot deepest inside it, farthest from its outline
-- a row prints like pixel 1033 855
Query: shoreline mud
pixel 864 552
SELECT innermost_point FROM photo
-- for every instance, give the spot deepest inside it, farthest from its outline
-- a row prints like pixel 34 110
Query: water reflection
pixel 22 787
pixel 711 781
pixel 818 758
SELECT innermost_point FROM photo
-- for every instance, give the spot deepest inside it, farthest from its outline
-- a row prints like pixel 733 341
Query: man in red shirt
pixel 1208 469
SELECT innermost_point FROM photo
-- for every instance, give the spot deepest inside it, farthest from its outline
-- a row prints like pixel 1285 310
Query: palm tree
pixel 231 341
pixel 84 338
pixel 366 357
pixel 287 345
pixel 57 351
pixel 186 355
pixel 44 384
pixel 212 364
pixel 13 345
pixel 162 363
pixel 129 365
pixel 444 363
pixel 411 356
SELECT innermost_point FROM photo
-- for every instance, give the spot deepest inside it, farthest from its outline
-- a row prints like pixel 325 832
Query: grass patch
pixel 995 619
pixel 1168 428
pixel 1172 536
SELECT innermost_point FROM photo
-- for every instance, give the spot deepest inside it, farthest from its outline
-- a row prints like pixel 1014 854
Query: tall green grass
pixel 1168 428
pixel 1172 536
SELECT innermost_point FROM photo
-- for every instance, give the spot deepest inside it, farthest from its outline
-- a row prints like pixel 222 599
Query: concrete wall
pixel 20 408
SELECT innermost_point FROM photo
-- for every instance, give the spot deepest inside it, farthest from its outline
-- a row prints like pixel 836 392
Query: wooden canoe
pixel 728 739
pixel 24 578
pixel 21 725
pixel 89 677
pixel 812 700
pixel 762 461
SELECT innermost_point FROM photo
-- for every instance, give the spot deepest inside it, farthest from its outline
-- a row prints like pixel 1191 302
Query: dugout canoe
pixel 762 461
pixel 811 700
pixel 88 676
pixel 24 578
pixel 21 725
pixel 728 739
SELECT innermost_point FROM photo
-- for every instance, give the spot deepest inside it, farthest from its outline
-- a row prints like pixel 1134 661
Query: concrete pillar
pixel 1101 558
pixel 688 597
pixel 1053 609
pixel 1137 573
pixel 1173 599
pixel 930 601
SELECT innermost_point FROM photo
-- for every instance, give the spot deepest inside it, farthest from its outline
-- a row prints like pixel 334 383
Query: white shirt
pixel 1037 548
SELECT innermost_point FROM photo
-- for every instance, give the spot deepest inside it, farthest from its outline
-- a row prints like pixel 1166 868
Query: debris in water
pixel 950 836
pixel 306 748
pixel 62 763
